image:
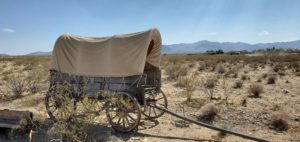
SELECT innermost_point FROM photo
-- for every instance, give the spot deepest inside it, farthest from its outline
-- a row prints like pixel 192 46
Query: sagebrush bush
pixel 264 75
pixel 281 73
pixel 244 102
pixel 202 66
pixel 271 79
pixel 175 71
pixel 231 73
pixel 189 84
pixel 33 87
pixel 238 84
pixel 255 90
pixel 17 87
pixel 220 69
pixel 278 121
pixel 210 84
pixel 207 113
pixel 244 77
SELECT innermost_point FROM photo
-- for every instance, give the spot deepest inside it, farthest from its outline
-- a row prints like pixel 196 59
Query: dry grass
pixel 175 71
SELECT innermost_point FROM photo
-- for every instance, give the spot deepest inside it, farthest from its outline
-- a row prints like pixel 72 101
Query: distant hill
pixel 3 54
pixel 204 45
pixel 39 53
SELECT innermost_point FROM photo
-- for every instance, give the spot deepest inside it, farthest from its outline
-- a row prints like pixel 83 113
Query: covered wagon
pixel 127 66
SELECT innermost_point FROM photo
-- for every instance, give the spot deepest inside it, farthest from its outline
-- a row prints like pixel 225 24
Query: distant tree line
pixel 267 50
pixel 277 50
pixel 213 52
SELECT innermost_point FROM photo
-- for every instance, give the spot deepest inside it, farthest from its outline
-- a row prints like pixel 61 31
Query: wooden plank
pixel 11 118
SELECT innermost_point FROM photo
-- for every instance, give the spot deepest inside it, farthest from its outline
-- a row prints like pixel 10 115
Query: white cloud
pixel 263 33
pixel 8 30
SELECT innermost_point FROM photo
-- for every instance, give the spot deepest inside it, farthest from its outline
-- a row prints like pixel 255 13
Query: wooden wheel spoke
pixel 149 111
pixel 114 117
pixel 126 118
pixel 131 117
pixel 154 111
pixel 160 104
pixel 123 121
pixel 119 120
pixel 160 98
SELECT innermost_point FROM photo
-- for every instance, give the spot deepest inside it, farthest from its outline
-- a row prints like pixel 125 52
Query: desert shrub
pixel 207 113
pixel 259 80
pixel 281 73
pixel 191 65
pixel 33 87
pixel 278 67
pixel 220 69
pixel 278 121
pixel 244 77
pixel 238 84
pixel 28 66
pixel 264 75
pixel 271 79
pixel 175 71
pixel 255 90
pixel 189 85
pixel 231 73
pixel 8 72
pixel 244 102
pixel 211 64
pixel 17 87
pixel 210 84
pixel 202 66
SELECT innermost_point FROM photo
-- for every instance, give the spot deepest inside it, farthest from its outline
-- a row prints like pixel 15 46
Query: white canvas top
pixel 114 56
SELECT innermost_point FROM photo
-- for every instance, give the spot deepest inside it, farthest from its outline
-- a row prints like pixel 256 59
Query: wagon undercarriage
pixel 124 99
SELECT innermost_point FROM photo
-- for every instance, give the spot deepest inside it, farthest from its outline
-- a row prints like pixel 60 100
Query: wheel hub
pixel 121 112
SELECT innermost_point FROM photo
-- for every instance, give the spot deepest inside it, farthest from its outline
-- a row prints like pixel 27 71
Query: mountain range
pixel 204 45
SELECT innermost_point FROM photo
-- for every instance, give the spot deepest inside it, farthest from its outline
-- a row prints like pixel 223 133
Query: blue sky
pixel 33 25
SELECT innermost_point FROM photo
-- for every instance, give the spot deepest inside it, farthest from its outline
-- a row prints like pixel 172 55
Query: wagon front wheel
pixel 155 98
pixel 123 112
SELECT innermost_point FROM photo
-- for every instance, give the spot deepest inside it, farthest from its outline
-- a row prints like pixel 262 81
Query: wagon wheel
pixel 59 102
pixel 123 112
pixel 157 98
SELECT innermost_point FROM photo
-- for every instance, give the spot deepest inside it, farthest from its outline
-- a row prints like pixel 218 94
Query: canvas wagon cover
pixel 115 56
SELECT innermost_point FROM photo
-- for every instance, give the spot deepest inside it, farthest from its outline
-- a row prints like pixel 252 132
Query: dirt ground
pixel 251 118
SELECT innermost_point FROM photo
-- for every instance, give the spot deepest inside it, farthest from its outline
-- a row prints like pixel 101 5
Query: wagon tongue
pixel 207 125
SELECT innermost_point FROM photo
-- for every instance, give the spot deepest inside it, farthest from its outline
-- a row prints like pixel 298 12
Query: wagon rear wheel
pixel 123 112
pixel 156 98
pixel 59 102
